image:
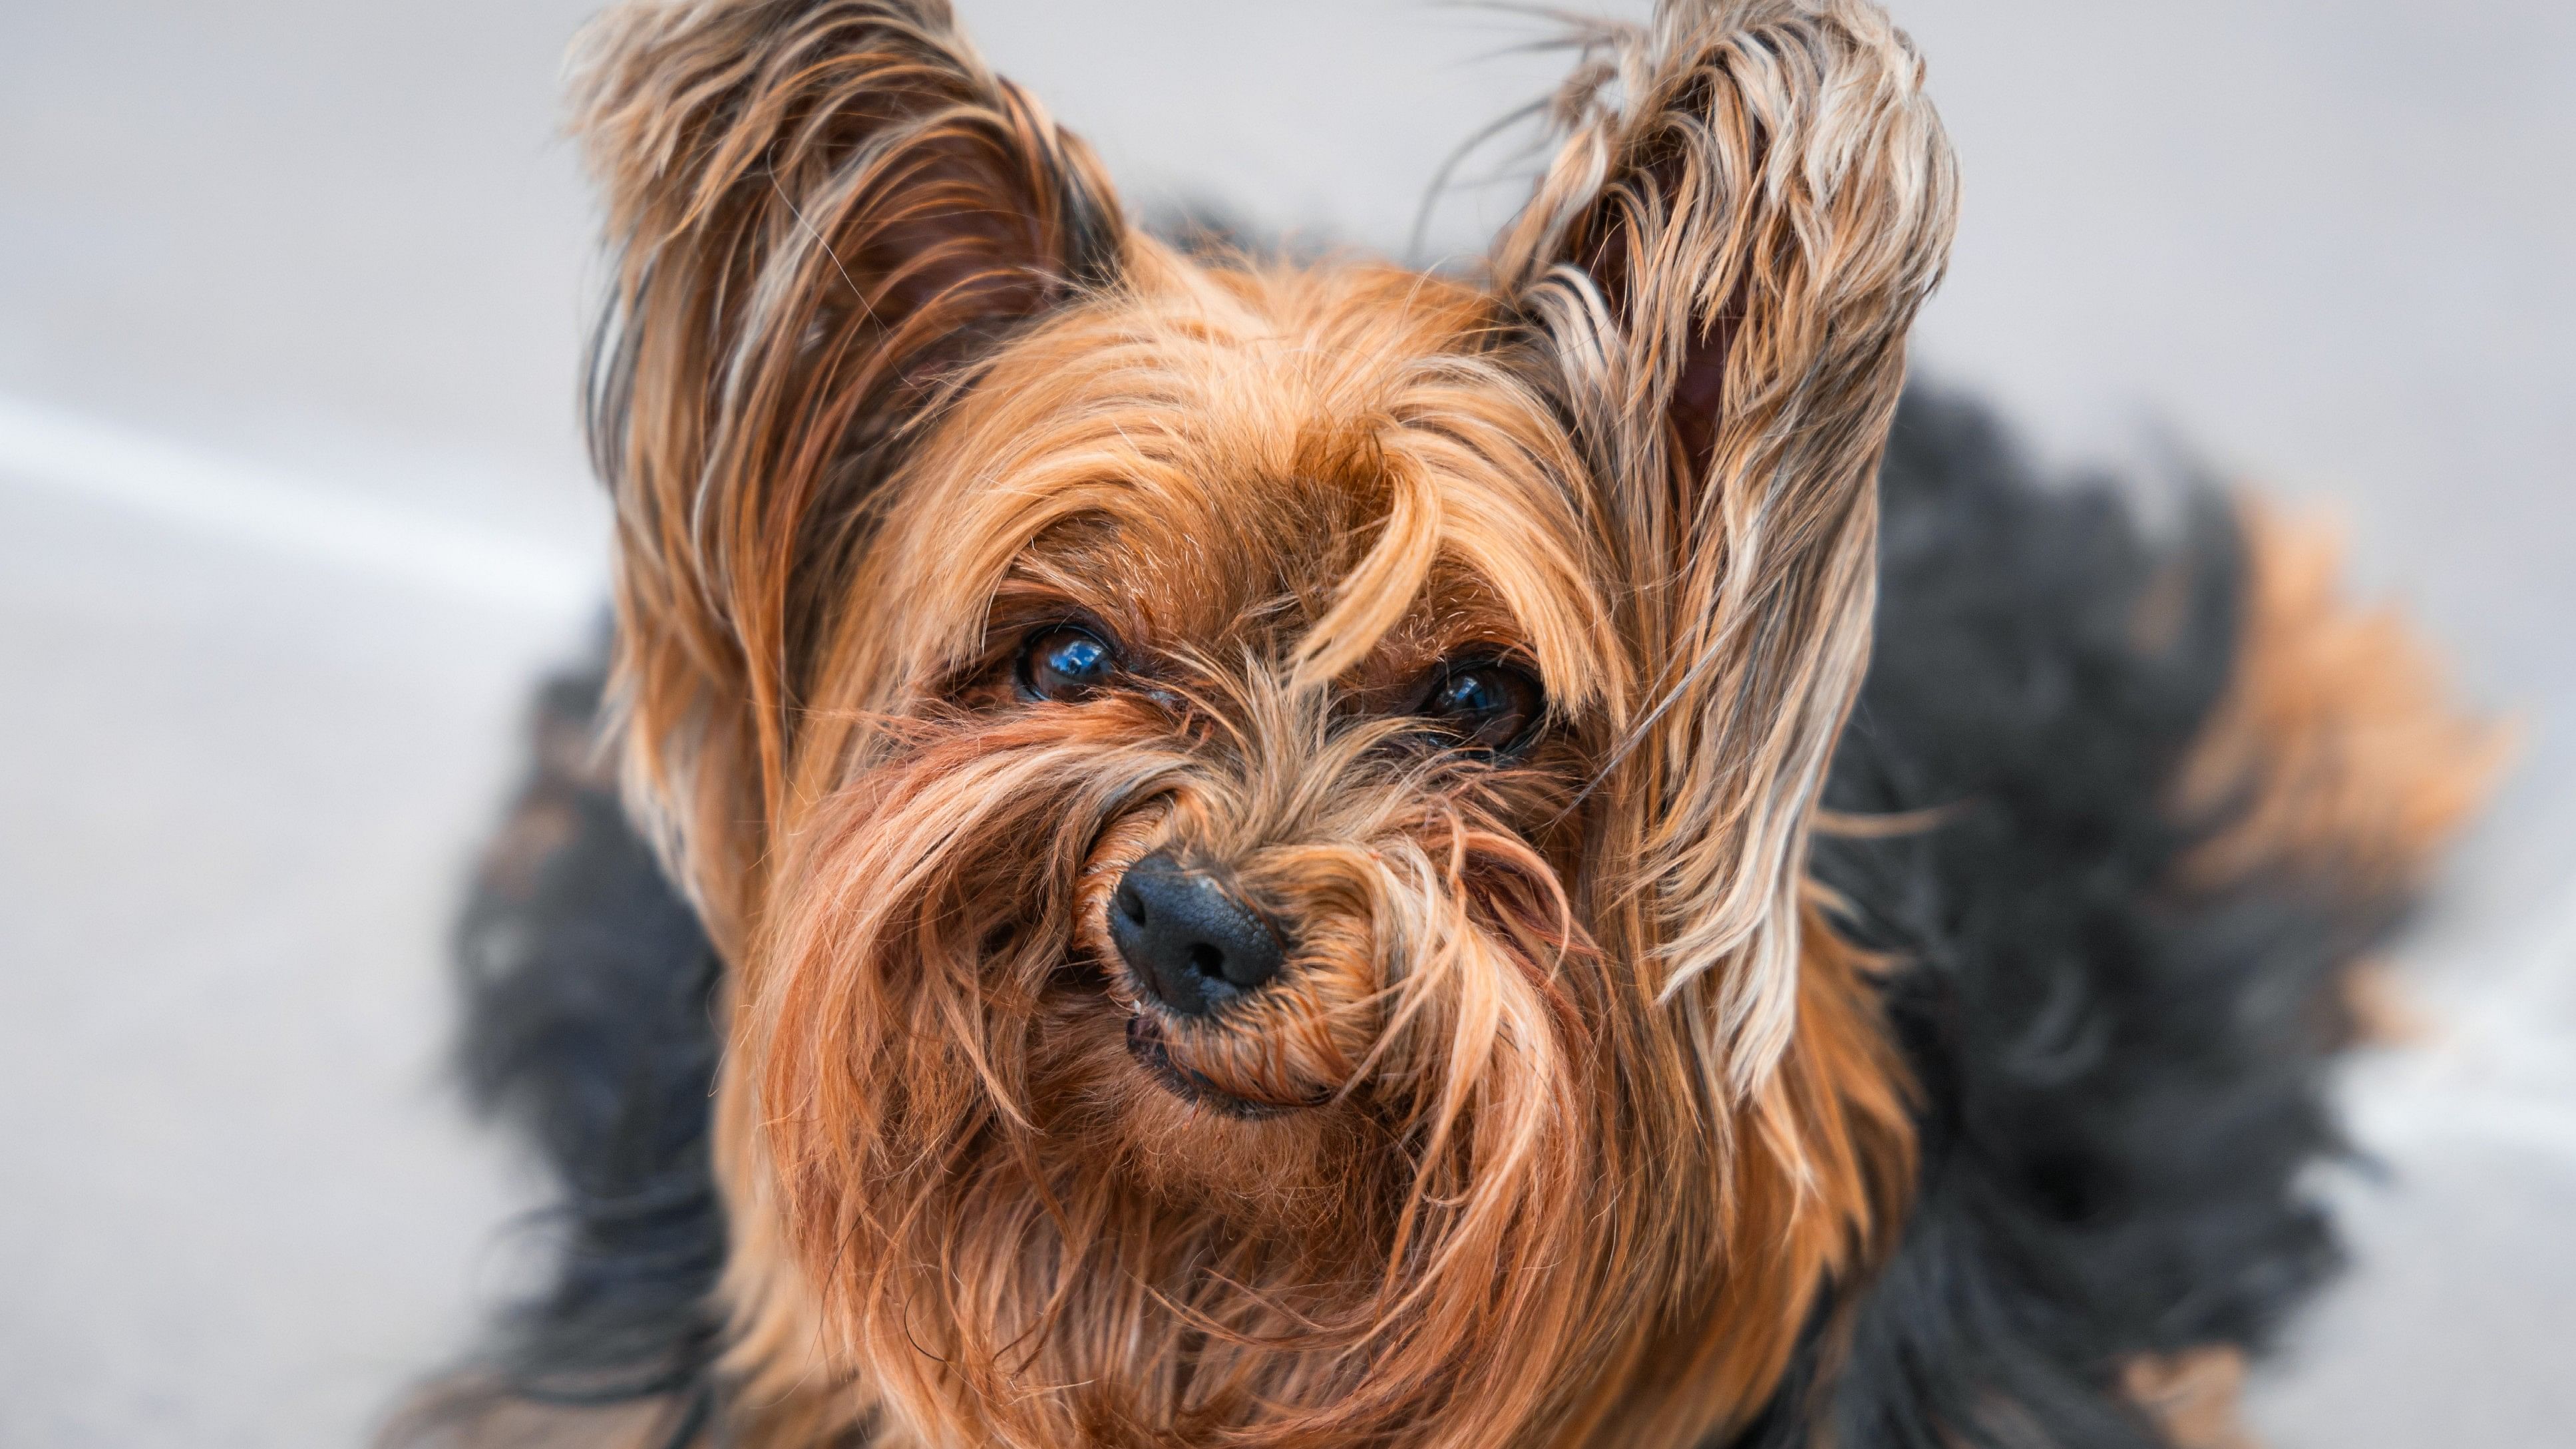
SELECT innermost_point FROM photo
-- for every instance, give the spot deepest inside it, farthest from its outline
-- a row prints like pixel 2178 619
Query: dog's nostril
pixel 1191 941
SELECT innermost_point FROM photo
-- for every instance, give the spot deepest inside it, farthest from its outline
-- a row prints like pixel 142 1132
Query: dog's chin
pixel 1152 1053
pixel 1186 1062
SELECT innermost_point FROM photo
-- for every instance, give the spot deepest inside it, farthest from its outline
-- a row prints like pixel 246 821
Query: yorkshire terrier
pixel 1305 854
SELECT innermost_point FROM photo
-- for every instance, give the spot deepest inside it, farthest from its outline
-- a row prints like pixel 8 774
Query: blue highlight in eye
pixel 1494 705
pixel 1078 657
pixel 1468 694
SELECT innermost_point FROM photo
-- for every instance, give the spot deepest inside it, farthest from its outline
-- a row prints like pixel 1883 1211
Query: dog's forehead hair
pixel 1338 466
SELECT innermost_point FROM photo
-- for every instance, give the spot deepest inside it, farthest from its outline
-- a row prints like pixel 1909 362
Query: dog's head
pixel 1256 812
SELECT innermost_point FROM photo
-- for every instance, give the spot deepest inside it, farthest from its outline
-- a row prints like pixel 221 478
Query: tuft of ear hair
pixel 1752 200
pixel 823 211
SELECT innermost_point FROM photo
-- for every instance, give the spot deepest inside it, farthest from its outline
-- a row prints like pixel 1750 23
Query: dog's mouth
pixel 1145 1043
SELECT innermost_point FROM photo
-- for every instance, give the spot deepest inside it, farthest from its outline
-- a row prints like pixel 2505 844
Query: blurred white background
pixel 292 507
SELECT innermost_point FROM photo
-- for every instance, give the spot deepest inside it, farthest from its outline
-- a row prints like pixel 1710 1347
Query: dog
pixel 1205 849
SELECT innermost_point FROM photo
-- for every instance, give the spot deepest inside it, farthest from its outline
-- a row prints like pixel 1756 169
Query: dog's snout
pixel 1192 940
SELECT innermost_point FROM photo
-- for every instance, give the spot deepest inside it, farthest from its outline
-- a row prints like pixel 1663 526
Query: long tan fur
pixel 2337 749
pixel 1768 176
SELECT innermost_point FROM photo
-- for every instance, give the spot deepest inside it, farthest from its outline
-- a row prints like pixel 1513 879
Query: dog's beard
pixel 1392 1198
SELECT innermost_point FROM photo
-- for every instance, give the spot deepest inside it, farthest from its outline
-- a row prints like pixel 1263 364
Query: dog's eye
pixel 1065 662
pixel 1490 705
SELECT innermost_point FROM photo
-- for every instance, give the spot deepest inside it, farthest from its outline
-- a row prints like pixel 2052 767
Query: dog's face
pixel 1252 620
pixel 1254 811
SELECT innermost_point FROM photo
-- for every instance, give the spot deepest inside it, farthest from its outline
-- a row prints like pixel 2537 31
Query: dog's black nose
pixel 1193 943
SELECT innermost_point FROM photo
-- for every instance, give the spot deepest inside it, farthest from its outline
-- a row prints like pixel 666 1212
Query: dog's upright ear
pixel 822 212
pixel 1722 262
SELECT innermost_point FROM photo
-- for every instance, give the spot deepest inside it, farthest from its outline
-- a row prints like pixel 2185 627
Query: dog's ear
pixel 823 211
pixel 1722 262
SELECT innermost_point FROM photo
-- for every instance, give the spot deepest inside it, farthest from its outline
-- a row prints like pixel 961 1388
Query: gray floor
pixel 291 506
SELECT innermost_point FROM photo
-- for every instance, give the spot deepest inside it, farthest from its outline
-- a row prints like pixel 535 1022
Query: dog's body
pixel 1259 854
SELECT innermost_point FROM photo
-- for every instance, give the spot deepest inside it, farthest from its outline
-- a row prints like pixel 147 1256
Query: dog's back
pixel 2127 815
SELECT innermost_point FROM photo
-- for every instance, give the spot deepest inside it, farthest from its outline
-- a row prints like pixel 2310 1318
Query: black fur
pixel 588 998
pixel 2121 1081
